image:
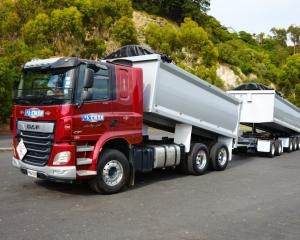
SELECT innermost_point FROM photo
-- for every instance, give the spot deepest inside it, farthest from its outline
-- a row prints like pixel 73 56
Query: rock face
pixel 228 76
pixel 233 78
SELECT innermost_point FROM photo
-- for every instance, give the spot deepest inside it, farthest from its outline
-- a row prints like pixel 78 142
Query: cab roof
pixel 49 63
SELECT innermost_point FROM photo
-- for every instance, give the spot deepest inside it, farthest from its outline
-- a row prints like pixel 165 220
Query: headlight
pixel 62 158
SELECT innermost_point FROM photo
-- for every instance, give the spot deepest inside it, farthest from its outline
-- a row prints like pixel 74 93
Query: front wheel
pixel 112 172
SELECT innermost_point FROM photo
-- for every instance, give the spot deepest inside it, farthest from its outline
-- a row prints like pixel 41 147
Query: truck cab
pixel 67 110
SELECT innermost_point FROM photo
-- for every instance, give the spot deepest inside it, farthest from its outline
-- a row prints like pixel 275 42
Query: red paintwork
pixel 70 130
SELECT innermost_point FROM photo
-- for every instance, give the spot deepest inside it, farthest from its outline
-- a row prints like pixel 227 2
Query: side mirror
pixel 88 80
pixel 87 95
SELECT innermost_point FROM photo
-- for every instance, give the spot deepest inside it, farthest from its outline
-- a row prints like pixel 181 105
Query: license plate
pixel 32 173
pixel 21 149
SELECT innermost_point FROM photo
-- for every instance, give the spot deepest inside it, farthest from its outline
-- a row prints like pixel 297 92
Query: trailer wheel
pixel 219 156
pixel 298 143
pixel 112 172
pixel 279 148
pixel 272 152
pixel 290 147
pixel 197 161
pixel 295 144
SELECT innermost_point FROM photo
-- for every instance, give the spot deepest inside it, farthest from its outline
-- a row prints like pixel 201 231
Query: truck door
pixel 122 107
pixel 94 117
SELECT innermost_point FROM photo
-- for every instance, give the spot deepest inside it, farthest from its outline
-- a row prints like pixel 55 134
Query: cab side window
pixel 101 87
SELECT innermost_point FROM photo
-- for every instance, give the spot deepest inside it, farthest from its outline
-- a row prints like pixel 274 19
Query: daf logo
pixel 34 113
pixel 32 127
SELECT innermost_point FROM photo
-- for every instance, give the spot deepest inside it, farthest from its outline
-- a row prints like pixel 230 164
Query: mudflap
pixel 131 180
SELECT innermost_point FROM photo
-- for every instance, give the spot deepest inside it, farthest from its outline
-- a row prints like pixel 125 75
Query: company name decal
pixel 92 117
pixel 34 113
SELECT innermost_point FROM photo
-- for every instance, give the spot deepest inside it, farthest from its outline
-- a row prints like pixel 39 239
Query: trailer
pixel 87 120
pixel 274 121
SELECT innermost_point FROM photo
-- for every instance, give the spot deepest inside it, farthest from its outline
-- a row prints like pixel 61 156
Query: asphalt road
pixel 255 198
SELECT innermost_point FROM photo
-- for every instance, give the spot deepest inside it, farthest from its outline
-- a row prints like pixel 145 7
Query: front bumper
pixel 64 173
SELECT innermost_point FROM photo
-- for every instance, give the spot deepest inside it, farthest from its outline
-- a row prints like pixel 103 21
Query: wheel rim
pixel 112 173
pixel 222 157
pixel 201 159
pixel 291 146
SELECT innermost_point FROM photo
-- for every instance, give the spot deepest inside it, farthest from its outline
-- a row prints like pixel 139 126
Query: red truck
pixel 77 119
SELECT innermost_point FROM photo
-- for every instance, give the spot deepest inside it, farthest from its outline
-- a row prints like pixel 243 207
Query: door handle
pixel 114 123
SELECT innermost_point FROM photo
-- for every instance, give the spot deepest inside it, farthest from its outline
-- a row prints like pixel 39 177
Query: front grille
pixel 39 146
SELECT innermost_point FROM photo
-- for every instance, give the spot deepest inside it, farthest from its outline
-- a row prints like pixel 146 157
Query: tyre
pixel 112 172
pixel 198 160
pixel 295 144
pixel 219 156
pixel 271 154
pixel 290 147
pixel 278 148
pixel 298 143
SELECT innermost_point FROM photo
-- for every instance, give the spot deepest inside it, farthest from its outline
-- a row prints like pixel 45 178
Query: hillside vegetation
pixel 196 41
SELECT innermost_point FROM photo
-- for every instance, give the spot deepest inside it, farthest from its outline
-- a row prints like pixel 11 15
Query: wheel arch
pixel 113 140
pixel 120 144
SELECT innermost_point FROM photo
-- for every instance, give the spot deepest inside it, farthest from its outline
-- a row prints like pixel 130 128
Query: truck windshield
pixel 45 87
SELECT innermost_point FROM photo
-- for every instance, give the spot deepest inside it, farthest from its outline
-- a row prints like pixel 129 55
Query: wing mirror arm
pixel 88 83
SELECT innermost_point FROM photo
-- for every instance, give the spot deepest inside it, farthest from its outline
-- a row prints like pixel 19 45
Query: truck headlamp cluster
pixel 62 158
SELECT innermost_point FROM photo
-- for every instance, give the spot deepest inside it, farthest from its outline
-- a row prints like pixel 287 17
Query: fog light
pixel 62 158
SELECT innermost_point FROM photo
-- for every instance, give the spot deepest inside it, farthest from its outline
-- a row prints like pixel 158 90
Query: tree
pixel 67 31
pixel 28 9
pixel 7 77
pixel 290 78
pixel 94 48
pixel 162 39
pixel 36 31
pixel 176 9
pixel 260 38
pixel 9 20
pixel 280 35
pixel 247 37
pixel 124 31
pixel 195 40
pixel 294 32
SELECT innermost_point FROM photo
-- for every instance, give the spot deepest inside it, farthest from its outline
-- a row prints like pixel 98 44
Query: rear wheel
pixel 278 146
pixel 295 144
pixel 112 172
pixel 197 160
pixel 290 147
pixel 219 157
pixel 298 143
pixel 271 154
